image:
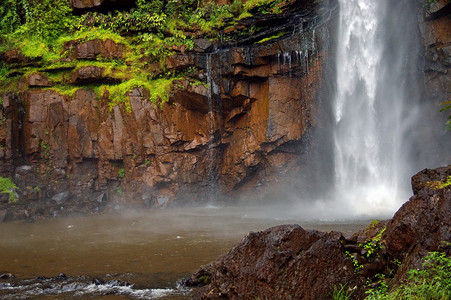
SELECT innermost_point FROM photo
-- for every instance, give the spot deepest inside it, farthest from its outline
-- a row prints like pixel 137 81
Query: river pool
pixel 128 255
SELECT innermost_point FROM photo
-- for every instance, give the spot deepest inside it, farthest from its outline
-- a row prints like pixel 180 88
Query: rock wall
pixel 76 152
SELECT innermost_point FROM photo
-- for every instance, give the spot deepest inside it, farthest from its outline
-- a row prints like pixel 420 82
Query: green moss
pixel 438 185
pixel 276 36
pixel 158 88
pixel 94 33
pixel 63 89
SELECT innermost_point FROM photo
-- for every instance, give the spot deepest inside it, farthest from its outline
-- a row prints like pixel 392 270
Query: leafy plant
pixel 45 150
pixel 373 245
pixel 432 281
pixel 120 191
pixel 380 291
pixel 121 173
pixel 357 266
pixel 341 293
pixel 8 187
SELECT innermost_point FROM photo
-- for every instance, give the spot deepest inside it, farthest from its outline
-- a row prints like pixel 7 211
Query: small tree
pixel 8 187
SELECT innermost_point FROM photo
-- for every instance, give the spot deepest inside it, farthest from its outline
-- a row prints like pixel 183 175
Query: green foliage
pixel 121 173
pixel 264 6
pixel 158 88
pixel 120 191
pixel 432 281
pixel 150 32
pixel 45 19
pixel 357 266
pixel 373 245
pixel 341 293
pixel 45 150
pixel 447 106
pixel 13 14
pixel 8 187
pixel 380 291
pixel 4 71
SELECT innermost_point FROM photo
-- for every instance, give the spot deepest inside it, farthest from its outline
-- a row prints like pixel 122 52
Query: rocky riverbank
pixel 288 262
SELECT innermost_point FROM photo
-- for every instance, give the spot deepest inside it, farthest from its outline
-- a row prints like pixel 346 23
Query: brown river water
pixel 128 256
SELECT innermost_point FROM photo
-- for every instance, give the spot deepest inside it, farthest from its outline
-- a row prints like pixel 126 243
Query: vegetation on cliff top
pixel 43 32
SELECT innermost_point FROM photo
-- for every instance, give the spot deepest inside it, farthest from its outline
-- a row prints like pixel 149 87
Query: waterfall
pixel 373 112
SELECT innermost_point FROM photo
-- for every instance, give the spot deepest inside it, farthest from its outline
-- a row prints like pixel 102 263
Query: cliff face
pixel 436 35
pixel 241 128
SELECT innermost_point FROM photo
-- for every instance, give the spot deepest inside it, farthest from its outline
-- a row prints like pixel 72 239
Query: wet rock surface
pixel 423 223
pixel 288 262
pixel 436 37
pixel 284 262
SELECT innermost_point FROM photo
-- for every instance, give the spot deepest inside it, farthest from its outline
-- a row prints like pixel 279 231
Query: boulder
pixel 423 223
pixel 283 262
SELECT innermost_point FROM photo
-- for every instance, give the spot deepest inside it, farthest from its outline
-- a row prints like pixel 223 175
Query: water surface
pixel 152 251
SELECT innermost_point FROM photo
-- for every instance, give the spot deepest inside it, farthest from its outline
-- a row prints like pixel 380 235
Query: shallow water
pixel 152 251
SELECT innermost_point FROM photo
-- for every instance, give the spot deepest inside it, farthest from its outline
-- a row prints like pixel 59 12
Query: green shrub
pixel 432 281
pixel 8 187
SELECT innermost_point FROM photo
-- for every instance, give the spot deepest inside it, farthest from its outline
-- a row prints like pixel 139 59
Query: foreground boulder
pixel 288 262
pixel 283 262
pixel 423 224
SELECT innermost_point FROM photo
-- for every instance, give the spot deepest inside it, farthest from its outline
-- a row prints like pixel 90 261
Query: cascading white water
pixel 369 121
